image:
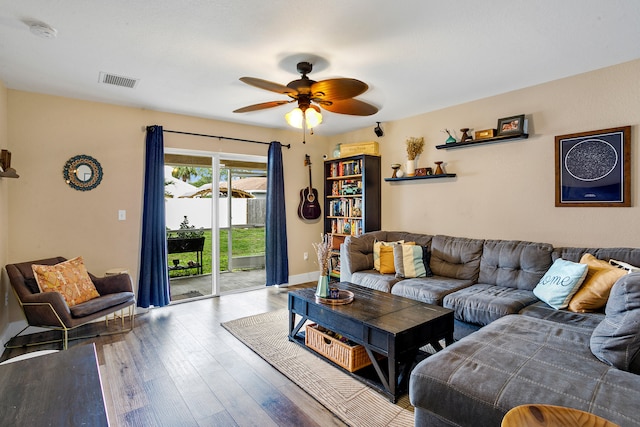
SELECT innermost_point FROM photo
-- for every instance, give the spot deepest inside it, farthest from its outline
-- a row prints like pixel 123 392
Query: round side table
pixel 122 315
pixel 552 416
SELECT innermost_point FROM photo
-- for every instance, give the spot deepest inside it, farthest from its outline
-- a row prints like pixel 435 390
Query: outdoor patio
pixel 197 286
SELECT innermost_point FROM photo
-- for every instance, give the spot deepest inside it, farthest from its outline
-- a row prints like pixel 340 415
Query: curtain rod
pixel 224 137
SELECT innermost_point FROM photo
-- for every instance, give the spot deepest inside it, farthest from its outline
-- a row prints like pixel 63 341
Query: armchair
pixel 49 309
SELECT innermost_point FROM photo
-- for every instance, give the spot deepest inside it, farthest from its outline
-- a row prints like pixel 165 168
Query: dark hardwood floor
pixel 179 367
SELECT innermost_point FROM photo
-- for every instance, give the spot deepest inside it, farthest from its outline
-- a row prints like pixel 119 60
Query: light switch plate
pixel 122 215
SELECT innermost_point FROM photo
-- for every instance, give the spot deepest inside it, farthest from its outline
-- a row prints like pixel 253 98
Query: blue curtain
pixel 153 287
pixel 277 261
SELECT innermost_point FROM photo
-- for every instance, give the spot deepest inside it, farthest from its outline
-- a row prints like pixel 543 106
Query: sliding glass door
pixel 215 222
pixel 242 207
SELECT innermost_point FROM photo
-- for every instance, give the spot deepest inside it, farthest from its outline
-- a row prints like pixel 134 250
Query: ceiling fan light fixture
pixel 313 117
pixel 334 95
pixel 296 117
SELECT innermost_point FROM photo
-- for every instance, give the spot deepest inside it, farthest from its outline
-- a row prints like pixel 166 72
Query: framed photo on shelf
pixel 513 125
pixel 594 168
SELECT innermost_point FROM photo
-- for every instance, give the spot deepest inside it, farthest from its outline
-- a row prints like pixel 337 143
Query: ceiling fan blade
pixel 338 89
pixel 267 85
pixel 352 107
pixel 261 106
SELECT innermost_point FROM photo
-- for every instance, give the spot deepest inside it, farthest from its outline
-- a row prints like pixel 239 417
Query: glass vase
pixel 322 290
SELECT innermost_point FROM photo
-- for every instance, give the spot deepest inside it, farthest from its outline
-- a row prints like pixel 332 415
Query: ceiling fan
pixel 334 95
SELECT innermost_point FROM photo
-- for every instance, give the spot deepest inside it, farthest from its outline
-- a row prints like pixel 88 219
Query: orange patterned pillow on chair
pixel 70 278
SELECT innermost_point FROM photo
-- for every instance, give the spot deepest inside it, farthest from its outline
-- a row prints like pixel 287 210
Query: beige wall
pixel 507 190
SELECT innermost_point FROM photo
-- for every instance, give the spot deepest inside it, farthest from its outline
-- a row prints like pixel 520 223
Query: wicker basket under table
pixel 351 358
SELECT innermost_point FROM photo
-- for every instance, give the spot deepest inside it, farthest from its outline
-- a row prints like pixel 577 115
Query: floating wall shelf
pixel 9 173
pixel 482 141
pixel 410 178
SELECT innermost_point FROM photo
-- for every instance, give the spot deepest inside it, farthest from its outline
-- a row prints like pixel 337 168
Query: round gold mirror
pixel 82 172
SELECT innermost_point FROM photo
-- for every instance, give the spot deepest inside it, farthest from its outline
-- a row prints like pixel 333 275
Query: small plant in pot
pixel 186 239
pixel 186 231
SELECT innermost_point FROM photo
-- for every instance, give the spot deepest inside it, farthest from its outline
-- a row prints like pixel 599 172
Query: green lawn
pixel 246 241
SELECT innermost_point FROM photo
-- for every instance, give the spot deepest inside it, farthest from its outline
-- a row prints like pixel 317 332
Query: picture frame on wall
pixel 513 125
pixel 594 168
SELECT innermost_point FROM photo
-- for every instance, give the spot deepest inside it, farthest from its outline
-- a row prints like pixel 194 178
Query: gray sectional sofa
pixel 511 348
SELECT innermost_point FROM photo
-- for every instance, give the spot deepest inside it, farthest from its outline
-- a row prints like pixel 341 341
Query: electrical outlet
pixel 306 256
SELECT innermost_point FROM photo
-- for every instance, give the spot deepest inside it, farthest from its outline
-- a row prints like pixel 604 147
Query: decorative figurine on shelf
pixel 336 151
pixel 395 168
pixel 451 139
pixel 465 136
pixel 439 170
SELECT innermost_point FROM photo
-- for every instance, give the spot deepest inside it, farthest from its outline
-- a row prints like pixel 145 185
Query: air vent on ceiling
pixel 112 79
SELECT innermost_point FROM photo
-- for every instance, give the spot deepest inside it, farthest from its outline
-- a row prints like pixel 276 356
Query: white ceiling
pixel 415 55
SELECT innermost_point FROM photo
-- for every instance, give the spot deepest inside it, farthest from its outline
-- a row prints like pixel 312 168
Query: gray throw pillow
pixel 616 340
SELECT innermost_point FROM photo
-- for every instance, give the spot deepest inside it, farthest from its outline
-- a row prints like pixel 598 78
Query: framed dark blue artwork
pixel 593 168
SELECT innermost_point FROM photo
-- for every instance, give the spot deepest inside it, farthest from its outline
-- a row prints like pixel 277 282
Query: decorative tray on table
pixel 344 297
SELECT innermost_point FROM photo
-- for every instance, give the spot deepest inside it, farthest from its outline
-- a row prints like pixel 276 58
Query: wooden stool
pixel 552 416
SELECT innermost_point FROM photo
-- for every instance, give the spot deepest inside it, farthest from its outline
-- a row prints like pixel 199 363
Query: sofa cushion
pixel 431 290
pixel 32 284
pixel 517 360
pixel 514 264
pixel 356 252
pixel 456 257
pixel 628 255
pixel 374 280
pixel 560 283
pixel 419 239
pixel 359 250
pixel 69 278
pixel 542 310
pixel 616 341
pixel 482 304
pixel 594 292
pixel 98 304
pixel 408 261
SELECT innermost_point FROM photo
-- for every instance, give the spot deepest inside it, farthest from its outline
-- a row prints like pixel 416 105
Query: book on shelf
pixel 346 226
pixel 346 207
pixel 346 168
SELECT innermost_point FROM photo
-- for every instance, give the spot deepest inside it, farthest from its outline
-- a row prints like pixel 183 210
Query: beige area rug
pixel 353 402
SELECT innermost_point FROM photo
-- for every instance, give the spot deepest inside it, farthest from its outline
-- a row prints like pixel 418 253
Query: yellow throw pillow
pixel 594 292
pixel 70 278
pixel 387 259
pixel 387 265
pixel 376 251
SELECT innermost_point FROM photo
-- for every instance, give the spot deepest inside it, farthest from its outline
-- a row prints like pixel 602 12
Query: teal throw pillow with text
pixel 560 283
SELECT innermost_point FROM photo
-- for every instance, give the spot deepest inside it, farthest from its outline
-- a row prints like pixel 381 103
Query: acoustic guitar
pixel 309 207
